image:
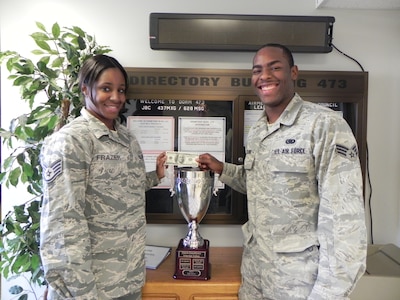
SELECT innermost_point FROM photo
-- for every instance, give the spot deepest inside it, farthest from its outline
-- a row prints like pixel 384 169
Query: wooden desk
pixel 223 284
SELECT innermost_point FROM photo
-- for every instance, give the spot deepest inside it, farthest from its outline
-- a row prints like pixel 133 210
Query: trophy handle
pixel 172 192
pixel 215 191
pixel 215 184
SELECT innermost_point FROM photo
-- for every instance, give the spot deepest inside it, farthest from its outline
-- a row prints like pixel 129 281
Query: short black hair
pixel 286 51
pixel 92 68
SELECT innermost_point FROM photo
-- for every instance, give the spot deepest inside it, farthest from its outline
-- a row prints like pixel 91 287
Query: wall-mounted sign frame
pixel 230 32
pixel 224 101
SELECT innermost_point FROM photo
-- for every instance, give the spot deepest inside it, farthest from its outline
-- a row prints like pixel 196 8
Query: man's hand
pixel 208 162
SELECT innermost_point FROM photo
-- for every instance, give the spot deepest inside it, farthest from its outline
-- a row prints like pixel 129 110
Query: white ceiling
pixel 359 4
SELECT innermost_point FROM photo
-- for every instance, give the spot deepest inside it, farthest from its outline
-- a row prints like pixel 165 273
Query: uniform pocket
pixel 249 161
pixel 293 179
pixel 247 234
pixel 110 255
pixel 290 164
pixel 109 169
pixel 296 260
pixel 294 243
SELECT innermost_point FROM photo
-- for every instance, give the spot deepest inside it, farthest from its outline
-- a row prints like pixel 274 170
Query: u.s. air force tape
pixel 53 171
pixel 350 153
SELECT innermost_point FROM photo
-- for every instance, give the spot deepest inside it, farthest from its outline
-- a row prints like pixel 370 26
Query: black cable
pixel 348 56
pixel 367 153
pixel 370 194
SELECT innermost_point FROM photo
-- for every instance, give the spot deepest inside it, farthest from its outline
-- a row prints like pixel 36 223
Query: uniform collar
pixel 97 127
pixel 291 111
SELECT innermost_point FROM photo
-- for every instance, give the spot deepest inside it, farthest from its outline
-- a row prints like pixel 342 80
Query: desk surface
pixel 225 278
pixel 225 269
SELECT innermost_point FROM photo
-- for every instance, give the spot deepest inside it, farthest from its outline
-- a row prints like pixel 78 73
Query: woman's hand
pixel 160 165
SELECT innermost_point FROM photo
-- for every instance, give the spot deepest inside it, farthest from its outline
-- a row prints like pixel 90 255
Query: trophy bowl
pixel 193 190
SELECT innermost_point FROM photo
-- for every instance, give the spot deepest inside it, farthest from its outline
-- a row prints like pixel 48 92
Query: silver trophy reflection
pixel 193 189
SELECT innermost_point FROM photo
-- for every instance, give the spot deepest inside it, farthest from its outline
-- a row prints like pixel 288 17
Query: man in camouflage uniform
pixel 306 235
pixel 93 216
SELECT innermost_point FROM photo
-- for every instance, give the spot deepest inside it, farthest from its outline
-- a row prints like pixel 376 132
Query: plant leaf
pixel 23 297
pixel 39 37
pixel 43 45
pixel 14 176
pixel 55 30
pixel 40 26
pixel 8 162
pixel 57 62
pixel 15 290
pixel 22 80
pixel 37 52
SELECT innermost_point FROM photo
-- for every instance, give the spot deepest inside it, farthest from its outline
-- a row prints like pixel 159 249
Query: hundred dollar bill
pixel 181 158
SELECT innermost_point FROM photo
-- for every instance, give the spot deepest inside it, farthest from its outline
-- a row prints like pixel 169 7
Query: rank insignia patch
pixel 52 172
pixel 350 153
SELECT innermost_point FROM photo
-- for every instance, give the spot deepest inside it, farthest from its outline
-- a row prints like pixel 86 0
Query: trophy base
pixel 192 263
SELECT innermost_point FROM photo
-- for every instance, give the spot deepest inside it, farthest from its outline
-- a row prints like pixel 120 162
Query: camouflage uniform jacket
pixel 304 188
pixel 93 216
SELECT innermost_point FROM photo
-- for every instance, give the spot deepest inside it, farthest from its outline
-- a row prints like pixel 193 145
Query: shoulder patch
pixel 350 153
pixel 53 171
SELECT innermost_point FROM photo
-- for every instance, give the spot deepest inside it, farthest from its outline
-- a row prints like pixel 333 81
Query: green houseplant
pixel 49 86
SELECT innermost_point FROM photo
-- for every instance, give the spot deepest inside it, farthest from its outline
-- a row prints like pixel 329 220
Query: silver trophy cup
pixel 193 192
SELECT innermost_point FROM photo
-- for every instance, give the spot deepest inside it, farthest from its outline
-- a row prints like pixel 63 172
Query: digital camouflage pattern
pixel 306 235
pixel 93 214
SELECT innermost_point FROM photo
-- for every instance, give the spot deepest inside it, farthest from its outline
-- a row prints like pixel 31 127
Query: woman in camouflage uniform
pixel 93 215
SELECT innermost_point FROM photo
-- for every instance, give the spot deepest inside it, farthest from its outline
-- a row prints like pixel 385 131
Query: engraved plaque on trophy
pixel 193 190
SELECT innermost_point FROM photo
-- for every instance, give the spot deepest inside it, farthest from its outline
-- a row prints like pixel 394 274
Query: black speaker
pixel 222 32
